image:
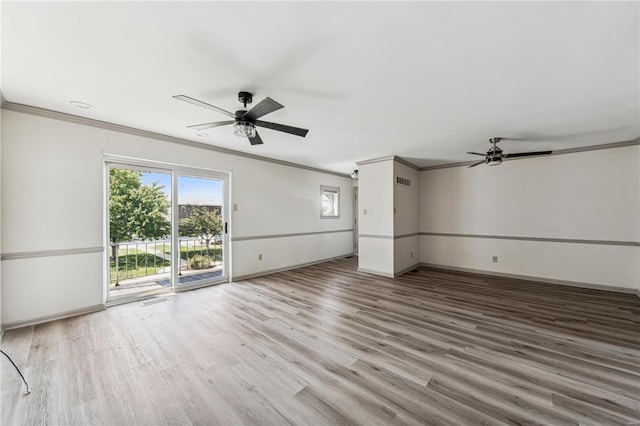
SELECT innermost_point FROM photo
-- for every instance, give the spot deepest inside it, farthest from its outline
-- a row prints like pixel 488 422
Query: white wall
pixel 52 199
pixel 638 216
pixel 389 241
pixel 591 195
pixel 0 219
pixel 406 219
pixel 375 190
pixel 375 183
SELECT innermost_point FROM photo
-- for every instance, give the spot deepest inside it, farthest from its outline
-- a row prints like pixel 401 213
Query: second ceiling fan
pixel 245 122
pixel 494 156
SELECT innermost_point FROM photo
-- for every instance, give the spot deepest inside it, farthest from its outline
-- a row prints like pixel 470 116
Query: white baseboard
pixel 374 272
pixel 46 318
pixel 533 278
pixel 404 271
pixel 387 274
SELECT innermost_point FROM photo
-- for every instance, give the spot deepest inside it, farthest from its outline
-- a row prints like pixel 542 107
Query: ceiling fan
pixel 494 156
pixel 245 122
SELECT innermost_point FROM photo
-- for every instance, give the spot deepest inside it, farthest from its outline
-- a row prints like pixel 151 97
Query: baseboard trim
pixel 404 271
pixel 46 318
pixel 287 268
pixel 387 274
pixel 533 278
pixel 374 272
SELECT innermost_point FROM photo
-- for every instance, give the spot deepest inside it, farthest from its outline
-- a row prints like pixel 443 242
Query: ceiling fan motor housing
pixel 245 98
pixel 494 156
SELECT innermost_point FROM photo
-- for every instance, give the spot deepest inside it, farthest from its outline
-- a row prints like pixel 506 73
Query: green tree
pixel 135 208
pixel 201 223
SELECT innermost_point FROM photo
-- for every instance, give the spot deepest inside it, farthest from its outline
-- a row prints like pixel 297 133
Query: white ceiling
pixel 426 81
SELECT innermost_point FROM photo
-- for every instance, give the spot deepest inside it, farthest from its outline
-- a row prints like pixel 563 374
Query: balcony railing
pixel 138 259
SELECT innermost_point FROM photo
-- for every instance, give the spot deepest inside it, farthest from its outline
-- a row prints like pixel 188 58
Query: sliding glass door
pixel 166 229
pixel 140 251
pixel 201 229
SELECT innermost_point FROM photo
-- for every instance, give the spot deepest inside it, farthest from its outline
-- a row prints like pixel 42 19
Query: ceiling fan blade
pixel 526 154
pixel 256 140
pixel 283 128
pixel 193 101
pixel 210 125
pixel 477 153
pixel 263 107
pixel 478 163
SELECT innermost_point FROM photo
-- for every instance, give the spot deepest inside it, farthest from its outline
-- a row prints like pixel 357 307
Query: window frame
pixel 334 192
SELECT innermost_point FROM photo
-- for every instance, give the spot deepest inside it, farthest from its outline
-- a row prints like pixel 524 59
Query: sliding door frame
pixel 173 170
pixel 226 252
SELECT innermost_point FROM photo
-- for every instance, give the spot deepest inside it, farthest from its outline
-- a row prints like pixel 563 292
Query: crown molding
pixel 56 115
pixel 611 145
pixel 390 158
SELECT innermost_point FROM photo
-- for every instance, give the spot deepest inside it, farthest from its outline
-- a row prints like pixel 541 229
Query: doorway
pixel 355 220
pixel 167 229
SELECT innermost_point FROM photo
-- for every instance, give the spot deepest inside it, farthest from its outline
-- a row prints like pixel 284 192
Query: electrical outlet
pixel 364 212
pixel 260 256
pixel 495 259
pixel 235 207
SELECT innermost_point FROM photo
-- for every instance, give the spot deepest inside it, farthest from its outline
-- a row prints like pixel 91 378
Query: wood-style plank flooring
pixel 328 345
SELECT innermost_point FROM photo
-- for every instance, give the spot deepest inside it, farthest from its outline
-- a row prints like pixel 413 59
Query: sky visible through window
pixel 191 190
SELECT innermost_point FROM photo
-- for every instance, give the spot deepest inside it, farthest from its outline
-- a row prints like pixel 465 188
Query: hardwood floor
pixel 328 345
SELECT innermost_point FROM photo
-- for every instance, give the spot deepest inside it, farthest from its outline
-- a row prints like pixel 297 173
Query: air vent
pixel 154 301
pixel 403 181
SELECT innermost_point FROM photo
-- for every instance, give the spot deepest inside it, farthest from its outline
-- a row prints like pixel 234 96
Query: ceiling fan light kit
pixel 494 156
pixel 245 122
pixel 244 129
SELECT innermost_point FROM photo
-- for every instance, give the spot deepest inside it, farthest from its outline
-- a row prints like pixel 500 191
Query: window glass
pixel 330 202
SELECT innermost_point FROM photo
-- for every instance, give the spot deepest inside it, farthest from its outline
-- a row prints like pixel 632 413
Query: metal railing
pixel 139 259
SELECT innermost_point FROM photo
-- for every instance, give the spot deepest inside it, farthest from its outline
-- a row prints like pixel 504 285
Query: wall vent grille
pixel 403 181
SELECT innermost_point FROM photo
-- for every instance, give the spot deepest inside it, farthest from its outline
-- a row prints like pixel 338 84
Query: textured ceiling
pixel 426 81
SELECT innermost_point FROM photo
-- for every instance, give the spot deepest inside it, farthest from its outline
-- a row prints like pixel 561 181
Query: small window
pixel 330 202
